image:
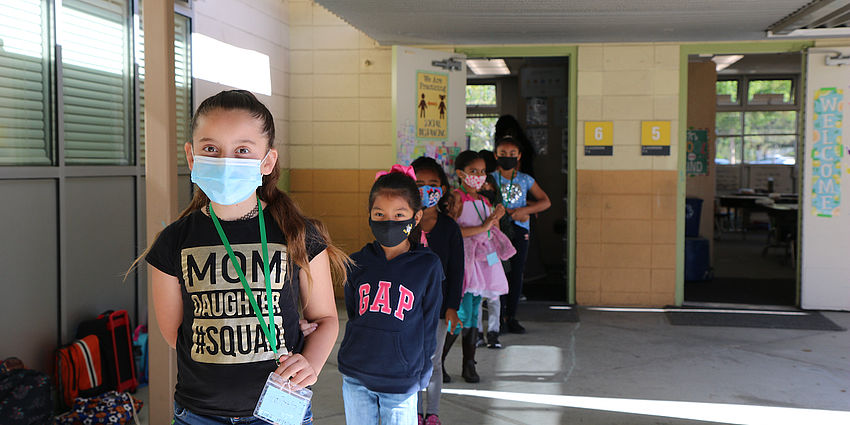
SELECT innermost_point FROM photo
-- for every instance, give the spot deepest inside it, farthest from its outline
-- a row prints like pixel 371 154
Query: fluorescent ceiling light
pixel 724 61
pixel 488 66
pixel 813 32
pixel 222 63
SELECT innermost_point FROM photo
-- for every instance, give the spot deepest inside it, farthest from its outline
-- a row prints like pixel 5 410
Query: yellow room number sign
pixel 655 138
pixel 599 138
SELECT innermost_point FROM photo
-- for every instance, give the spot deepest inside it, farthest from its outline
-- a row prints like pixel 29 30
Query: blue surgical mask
pixel 430 195
pixel 227 181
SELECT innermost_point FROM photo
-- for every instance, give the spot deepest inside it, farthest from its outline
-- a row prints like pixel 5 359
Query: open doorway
pixel 744 132
pixel 534 91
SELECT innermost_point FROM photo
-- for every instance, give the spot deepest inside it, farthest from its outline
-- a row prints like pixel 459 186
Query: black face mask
pixel 390 233
pixel 507 162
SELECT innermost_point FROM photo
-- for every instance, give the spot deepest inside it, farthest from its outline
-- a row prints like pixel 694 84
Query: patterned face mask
pixel 430 195
pixel 474 182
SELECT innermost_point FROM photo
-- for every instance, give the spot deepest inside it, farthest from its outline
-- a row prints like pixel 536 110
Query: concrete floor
pixel 612 356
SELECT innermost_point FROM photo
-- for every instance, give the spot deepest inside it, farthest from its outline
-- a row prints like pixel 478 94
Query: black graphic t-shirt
pixel 223 356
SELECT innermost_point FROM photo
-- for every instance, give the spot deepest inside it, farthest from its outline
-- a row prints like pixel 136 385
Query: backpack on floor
pixel 78 369
pixel 25 395
pixel 140 352
pixel 108 408
pixel 112 329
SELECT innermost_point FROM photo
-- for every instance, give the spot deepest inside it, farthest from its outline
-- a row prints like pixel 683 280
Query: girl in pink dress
pixel 484 246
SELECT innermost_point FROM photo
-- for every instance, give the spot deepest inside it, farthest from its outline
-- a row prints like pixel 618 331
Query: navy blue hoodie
pixel 393 308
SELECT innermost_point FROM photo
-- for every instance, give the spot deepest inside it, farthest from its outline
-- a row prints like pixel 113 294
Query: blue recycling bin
pixel 697 260
pixel 693 212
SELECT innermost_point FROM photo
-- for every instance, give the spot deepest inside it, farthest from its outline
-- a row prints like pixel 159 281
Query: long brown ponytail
pixel 285 212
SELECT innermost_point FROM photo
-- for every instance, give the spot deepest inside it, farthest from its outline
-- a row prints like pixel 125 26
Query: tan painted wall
pixel 626 203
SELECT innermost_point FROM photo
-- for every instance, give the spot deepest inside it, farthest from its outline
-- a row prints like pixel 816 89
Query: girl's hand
pixel 499 211
pixel 452 320
pixel 519 214
pixel 297 370
pixel 306 327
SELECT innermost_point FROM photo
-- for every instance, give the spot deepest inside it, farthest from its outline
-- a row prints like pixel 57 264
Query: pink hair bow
pixel 398 168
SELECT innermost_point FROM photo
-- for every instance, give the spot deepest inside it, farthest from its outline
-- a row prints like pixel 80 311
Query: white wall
pixel 825 240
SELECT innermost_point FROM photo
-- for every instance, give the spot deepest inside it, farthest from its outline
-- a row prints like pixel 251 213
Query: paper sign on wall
pixel 432 90
pixel 698 152
pixel 599 138
pixel 827 151
pixel 655 138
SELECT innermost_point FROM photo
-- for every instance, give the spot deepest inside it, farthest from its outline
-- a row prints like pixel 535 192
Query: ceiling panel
pixel 560 21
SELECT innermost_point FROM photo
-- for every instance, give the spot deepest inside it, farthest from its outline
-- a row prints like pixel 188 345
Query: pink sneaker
pixel 421 420
pixel 433 420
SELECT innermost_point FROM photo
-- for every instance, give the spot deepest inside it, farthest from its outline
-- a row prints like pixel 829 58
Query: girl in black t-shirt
pixel 240 250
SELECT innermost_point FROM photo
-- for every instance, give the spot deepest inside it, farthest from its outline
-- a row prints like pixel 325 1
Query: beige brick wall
pixel 626 203
pixel 339 99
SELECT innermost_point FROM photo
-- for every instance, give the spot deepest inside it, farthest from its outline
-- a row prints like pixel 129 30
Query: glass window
pixel 770 92
pixel 480 131
pixel 183 85
pixel 728 123
pixel 727 92
pixel 481 95
pixel 24 84
pixel 96 81
pixel 728 150
pixel 770 122
pixel 770 149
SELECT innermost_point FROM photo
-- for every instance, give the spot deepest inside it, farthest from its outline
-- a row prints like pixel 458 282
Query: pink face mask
pixel 474 182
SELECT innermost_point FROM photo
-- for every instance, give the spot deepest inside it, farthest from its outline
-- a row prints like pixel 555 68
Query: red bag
pixel 116 347
pixel 78 369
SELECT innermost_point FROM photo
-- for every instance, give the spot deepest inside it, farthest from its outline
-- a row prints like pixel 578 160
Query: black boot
pixel 470 337
pixel 450 339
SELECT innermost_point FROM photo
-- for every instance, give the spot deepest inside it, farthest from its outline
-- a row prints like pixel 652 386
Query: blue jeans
pixel 182 416
pixel 365 407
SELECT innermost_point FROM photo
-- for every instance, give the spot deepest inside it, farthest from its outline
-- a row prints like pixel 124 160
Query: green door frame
pixel 571 52
pixel 795 46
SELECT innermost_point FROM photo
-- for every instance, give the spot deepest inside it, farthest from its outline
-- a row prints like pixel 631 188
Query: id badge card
pixel 281 403
pixel 492 258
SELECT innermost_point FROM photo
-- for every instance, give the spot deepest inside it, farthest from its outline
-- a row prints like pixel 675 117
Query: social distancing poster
pixel 432 91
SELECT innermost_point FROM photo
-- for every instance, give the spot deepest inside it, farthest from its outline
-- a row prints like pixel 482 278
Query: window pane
pixel 24 87
pixel 481 95
pixel 728 123
pixel 727 92
pixel 770 92
pixel 770 122
pixel 480 132
pixel 183 84
pixel 728 150
pixel 770 149
pixel 96 82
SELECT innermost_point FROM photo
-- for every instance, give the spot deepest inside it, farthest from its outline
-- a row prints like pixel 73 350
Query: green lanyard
pixel 476 210
pixel 268 328
pixel 510 185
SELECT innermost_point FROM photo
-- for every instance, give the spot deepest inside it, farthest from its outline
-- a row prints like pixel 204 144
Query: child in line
pixel 442 234
pixel 484 246
pixel 393 300
pixel 240 234
pixel 515 186
pixel 492 304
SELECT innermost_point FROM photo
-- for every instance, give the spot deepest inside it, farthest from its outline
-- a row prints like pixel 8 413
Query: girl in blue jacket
pixel 393 297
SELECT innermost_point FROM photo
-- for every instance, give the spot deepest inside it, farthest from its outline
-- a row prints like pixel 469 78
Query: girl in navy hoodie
pixel 393 297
